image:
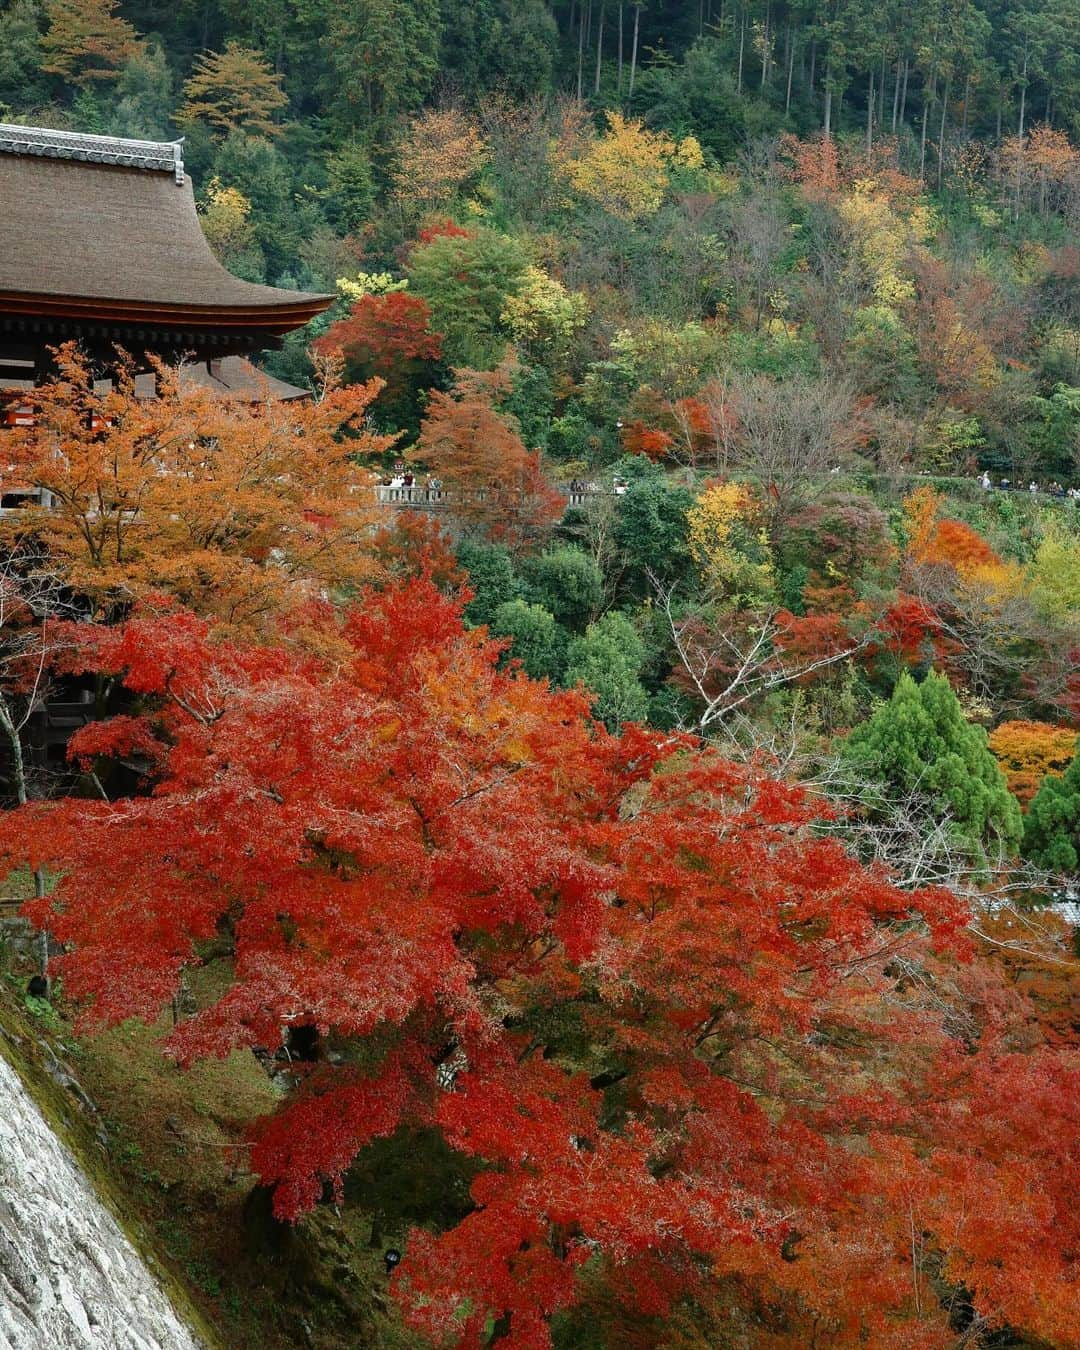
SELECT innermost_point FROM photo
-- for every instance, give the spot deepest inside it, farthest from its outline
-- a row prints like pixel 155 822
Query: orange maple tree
pixel 237 509
pixel 1028 751
pixel 476 452
pixel 706 1064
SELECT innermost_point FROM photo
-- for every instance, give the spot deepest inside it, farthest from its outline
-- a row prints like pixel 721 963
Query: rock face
pixel 69 1278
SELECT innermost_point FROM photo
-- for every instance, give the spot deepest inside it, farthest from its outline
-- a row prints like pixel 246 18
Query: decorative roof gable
pixel 163 156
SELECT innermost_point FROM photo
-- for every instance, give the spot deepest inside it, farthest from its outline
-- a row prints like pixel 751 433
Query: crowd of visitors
pixel 1051 489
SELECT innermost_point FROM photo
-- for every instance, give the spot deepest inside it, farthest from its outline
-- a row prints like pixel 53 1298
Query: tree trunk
pixel 896 94
pixel 790 71
pixel 967 100
pixel 633 50
pixel 18 771
pixel 941 134
pixel 813 67
pixel 828 104
pixel 881 92
pixel 903 95
pixel 765 47
pixel 870 117
pixel 581 53
pixel 621 8
pixel 599 48
pixel 1023 94
pixel 929 95
pixel 742 47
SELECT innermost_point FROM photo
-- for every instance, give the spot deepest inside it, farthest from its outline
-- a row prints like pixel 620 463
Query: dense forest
pixel 589 799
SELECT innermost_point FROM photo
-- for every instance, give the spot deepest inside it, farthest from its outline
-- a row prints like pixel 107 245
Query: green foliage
pixel 531 402
pixel 467 281
pixel 920 742
pixel 608 661
pixel 491 577
pixel 509 45
pixel 22 82
pixel 567 582
pixel 350 186
pixel 651 527
pixel 383 56
pixel 1052 823
pixel 537 641
pixel 695 98
pixel 882 357
pixel 1056 436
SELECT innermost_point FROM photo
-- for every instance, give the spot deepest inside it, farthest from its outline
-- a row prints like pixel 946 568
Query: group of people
pixel 1052 489
pixel 409 480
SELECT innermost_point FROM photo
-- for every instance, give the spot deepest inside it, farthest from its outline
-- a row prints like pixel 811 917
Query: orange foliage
pixel 238 510
pixel 932 540
pixel 495 483
pixel 1030 751
pixel 441 152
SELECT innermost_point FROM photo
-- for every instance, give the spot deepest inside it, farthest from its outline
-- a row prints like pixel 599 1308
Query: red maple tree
pixel 710 1067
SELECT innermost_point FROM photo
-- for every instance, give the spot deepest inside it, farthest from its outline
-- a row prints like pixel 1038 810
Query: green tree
pixel 537 640
pixel 492 579
pixel 466 280
pixel 920 743
pixel 694 98
pixel 1052 823
pixel 608 661
pixel 651 527
pixel 568 582
pixel 384 55
pixel 21 81
pixel 510 45
pixel 144 95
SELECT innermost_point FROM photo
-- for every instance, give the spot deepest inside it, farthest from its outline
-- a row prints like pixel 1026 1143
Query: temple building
pixel 102 245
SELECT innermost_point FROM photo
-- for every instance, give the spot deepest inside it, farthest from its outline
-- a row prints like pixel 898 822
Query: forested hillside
pixel 590 798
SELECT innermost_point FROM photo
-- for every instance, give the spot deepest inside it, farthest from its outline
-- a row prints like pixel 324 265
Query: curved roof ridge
pixel 163 156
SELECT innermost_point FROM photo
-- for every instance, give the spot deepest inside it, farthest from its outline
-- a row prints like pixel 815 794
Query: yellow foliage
pixel 720 520
pixel 441 152
pixel 1055 575
pixel 882 240
pixel 225 218
pixel 689 154
pixel 355 288
pixel 543 313
pixel 626 170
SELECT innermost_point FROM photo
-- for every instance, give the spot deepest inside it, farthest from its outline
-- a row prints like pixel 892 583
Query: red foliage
pixel 388 336
pixel 474 448
pixel 686 1045
pixel 415 545
pixel 639 439
pixel 906 625
pixel 442 229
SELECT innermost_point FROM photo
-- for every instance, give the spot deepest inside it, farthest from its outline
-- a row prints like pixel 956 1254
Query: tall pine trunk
pixel 742 47
pixel 790 71
pixel 941 134
pixel 903 94
pixel 599 48
pixel 870 117
pixel 1023 94
pixel 633 50
pixel 929 95
pixel 621 8
pixel 827 125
